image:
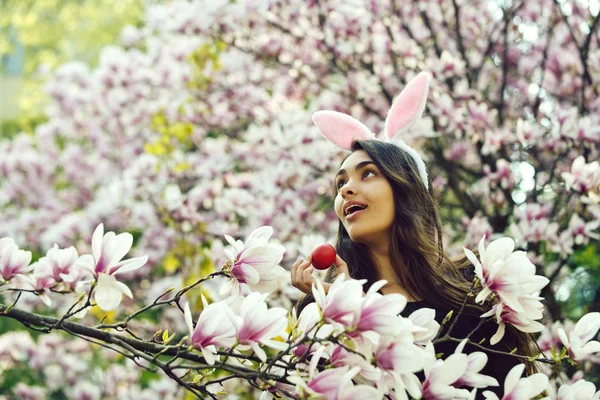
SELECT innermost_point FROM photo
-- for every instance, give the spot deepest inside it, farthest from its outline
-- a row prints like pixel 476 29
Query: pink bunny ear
pixel 408 106
pixel 340 129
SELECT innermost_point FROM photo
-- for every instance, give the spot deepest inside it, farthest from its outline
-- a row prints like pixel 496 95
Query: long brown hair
pixel 416 249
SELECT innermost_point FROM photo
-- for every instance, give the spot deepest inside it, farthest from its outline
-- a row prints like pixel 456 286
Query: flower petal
pixel 97 241
pixel 129 265
pixel 108 294
pixel 123 243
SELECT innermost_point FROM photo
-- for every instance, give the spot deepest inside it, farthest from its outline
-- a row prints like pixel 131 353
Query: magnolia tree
pixel 199 125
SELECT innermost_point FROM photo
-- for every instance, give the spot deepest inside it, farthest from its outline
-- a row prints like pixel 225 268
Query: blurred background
pixel 38 36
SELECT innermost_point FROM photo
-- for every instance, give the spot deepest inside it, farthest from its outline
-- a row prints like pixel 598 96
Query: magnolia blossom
pixel 62 263
pixel 520 389
pixel 583 176
pixel 441 375
pixel 334 383
pixel 580 390
pixel 361 356
pixel 476 361
pixel 507 274
pixel 14 262
pixel 424 318
pixel 400 358
pixel 106 262
pixel 444 378
pixel 213 329
pixel 342 302
pixel 380 313
pixel 254 263
pixel 578 342
pixel 306 326
pixel 257 325
pixel 582 231
pixel 41 279
pixel 510 276
pixel 524 321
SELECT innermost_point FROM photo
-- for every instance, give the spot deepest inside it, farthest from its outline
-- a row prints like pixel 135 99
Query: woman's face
pixel 364 201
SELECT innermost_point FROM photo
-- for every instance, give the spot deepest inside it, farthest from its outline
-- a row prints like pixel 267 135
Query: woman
pixel 389 228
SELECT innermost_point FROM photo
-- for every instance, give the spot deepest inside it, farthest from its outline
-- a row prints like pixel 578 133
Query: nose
pixel 348 189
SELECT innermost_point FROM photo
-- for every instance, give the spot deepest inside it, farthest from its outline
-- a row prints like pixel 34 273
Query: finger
pixel 306 264
pixel 307 277
pixel 341 266
pixel 295 268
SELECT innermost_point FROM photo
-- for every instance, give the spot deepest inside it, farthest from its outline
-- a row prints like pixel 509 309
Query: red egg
pixel 323 256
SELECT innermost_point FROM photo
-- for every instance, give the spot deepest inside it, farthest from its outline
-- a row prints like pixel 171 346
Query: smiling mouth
pixel 353 210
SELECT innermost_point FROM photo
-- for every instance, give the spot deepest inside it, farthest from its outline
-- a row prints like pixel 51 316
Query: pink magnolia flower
pixel 256 324
pixel 213 329
pixel 360 357
pixel 62 263
pixel 254 263
pixel 578 342
pixel 106 262
pixel 580 390
pixel 524 321
pixel 442 375
pixel 380 313
pixel 424 318
pixel 41 279
pixel 581 231
pixel 399 358
pixel 520 389
pixel 13 261
pixel 476 361
pixel 342 303
pixel 306 326
pixel 507 274
pixel 583 176
pixel 334 383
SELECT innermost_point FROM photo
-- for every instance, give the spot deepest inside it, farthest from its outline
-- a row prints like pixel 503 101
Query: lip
pixel 352 203
pixel 354 215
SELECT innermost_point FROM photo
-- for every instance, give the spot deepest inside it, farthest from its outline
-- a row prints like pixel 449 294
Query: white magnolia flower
pixel 254 263
pixel 580 390
pixel 517 388
pixel 578 342
pixel 106 262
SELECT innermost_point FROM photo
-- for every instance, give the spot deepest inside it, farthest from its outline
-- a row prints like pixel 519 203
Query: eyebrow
pixel 360 165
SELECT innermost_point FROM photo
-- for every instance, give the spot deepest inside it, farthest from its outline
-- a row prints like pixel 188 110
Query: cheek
pixel 389 207
pixel 337 205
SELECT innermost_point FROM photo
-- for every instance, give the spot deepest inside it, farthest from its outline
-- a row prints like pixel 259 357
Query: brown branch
pixel 175 299
pixel 141 347
pixel 427 23
pixel 459 40
pixel 587 78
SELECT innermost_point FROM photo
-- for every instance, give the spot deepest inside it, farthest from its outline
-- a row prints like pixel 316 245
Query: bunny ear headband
pixel 341 129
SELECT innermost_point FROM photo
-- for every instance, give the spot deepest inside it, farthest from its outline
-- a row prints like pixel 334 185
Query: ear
pixel 340 129
pixel 408 106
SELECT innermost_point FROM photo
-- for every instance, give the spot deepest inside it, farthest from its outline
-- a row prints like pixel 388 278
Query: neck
pixel 385 270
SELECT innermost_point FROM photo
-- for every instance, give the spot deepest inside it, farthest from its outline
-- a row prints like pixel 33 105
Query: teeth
pixel 355 208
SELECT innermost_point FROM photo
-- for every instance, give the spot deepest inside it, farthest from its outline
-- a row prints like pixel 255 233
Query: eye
pixel 367 172
pixel 340 183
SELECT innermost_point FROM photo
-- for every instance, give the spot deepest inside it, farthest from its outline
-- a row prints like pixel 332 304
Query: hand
pixel 302 273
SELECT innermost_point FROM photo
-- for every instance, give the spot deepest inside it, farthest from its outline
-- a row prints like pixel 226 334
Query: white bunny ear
pixel 415 156
pixel 341 129
pixel 408 106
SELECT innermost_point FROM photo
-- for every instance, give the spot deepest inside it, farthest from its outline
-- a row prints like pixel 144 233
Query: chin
pixel 366 235
pixel 359 236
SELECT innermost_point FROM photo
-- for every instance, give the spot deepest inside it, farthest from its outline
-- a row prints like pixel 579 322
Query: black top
pixel 498 365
